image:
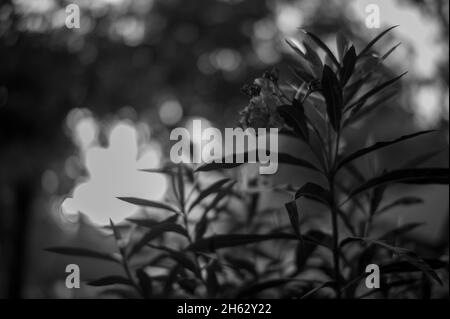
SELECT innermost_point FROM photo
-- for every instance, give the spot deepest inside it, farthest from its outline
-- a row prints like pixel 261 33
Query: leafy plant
pixel 247 260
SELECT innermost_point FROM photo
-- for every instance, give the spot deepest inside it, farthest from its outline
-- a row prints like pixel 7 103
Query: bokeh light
pixel 113 171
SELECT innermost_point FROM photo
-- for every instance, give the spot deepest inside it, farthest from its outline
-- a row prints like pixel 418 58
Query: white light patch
pixel 114 172
pixel 86 131
pixel 427 105
pixel 289 18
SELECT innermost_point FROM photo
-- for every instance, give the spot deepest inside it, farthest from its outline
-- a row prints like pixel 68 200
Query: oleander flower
pixel 261 112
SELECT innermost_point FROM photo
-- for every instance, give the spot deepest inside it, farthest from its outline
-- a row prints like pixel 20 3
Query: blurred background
pixel 81 110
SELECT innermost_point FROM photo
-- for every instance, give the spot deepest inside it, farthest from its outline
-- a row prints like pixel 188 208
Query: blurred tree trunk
pixel 24 194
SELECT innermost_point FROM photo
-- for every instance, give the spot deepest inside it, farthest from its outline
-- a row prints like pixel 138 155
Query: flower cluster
pixel 261 112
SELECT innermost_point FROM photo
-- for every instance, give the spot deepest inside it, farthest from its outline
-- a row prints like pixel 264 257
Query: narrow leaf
pixel 291 208
pixel 316 289
pixel 315 192
pixel 212 282
pixel 145 282
pixel 294 116
pixel 180 186
pixel 323 46
pixel 149 203
pixel 110 280
pixel 413 259
pixel 313 58
pixel 156 231
pixel 283 158
pixel 183 259
pixel 404 201
pixel 332 92
pixel 408 255
pixel 389 52
pixel 407 176
pixel 378 146
pixel 121 244
pixel 352 89
pixel 375 40
pixel 213 166
pixel 342 44
pixel 358 113
pixel 224 241
pixel 348 65
pixel 302 75
pixel 376 198
pixel 116 232
pixel 202 225
pixel 83 252
pixel 303 252
pixel 374 91
pixel 166 170
pixel 307 69
pixel 213 188
pixel 149 223
pixel 399 231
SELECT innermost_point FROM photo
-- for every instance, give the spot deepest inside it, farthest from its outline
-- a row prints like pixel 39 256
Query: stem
pixel 330 158
pixel 189 237
pixel 123 253
pixel 367 226
pixel 336 251
pixel 323 161
pixel 282 95
pixel 126 267
pixel 334 217
pixel 336 148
